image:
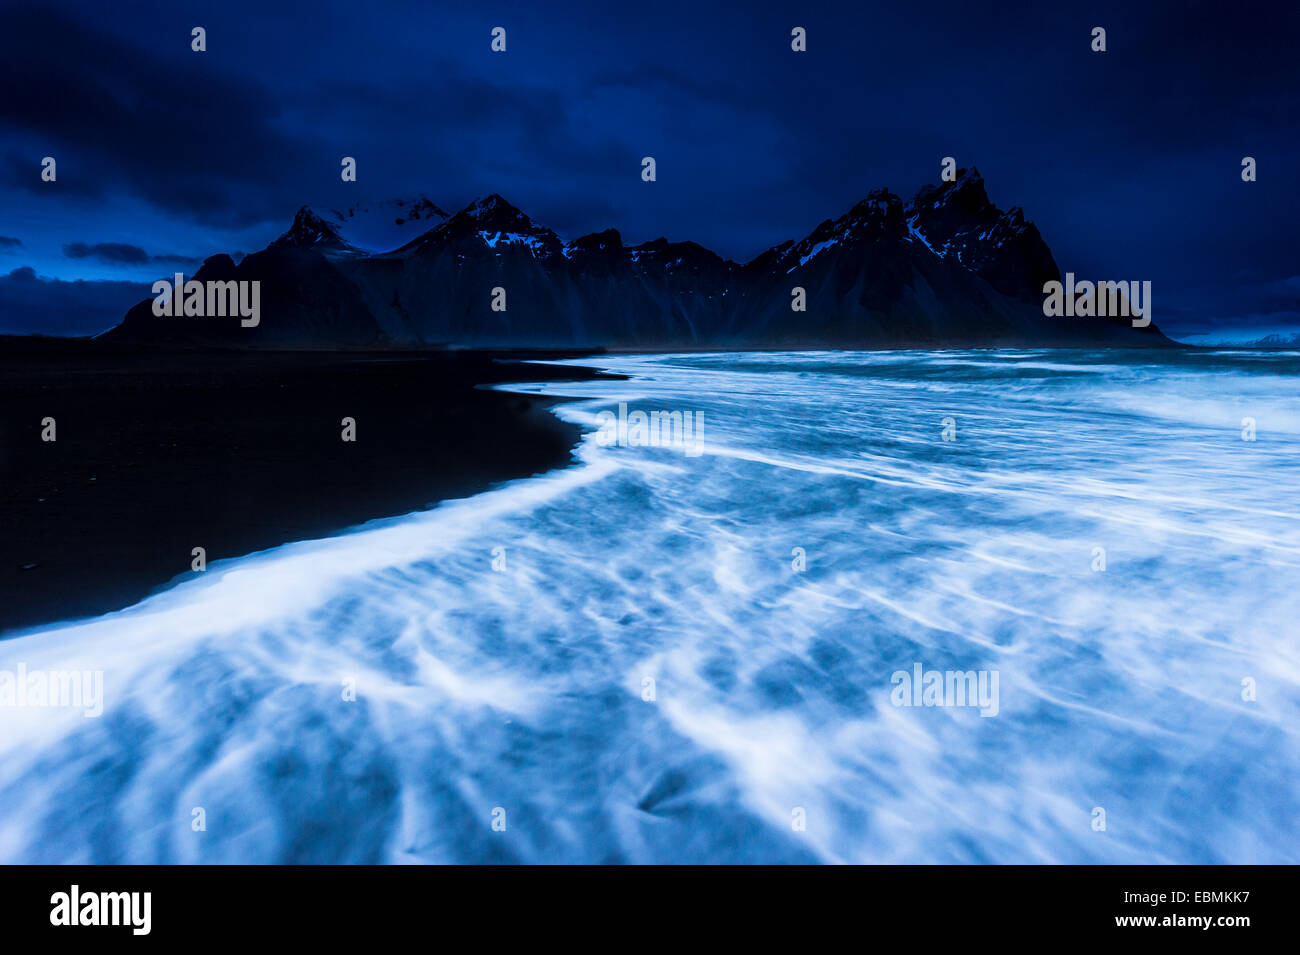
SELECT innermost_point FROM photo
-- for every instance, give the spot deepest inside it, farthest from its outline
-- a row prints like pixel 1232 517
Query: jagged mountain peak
pixel 494 211
pixel 310 230
pixel 878 216
pixel 881 208
pixel 966 194
pixel 490 223
pixel 487 205
pixel 957 220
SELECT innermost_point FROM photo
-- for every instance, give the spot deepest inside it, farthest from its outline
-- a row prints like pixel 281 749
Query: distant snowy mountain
pixel 947 269
pixel 368 228
pixel 1278 341
pixel 1243 338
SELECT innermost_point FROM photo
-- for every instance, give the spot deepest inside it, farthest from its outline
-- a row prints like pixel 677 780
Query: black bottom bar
pixel 339 905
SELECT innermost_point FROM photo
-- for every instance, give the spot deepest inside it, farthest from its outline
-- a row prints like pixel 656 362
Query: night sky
pixel 1129 161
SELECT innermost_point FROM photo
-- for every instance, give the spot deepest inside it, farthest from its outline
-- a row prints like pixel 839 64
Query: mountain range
pixel 946 269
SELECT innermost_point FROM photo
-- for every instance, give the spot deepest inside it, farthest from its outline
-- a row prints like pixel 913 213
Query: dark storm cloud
pixel 20 170
pixel 107 252
pixel 9 243
pixel 117 115
pixel 120 253
pixel 465 135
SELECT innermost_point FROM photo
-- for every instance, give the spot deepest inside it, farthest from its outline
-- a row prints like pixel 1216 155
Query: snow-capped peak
pixel 387 224
pixel 311 231
pixel 365 228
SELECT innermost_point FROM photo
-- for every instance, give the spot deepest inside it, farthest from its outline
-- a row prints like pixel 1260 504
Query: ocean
pixel 721 649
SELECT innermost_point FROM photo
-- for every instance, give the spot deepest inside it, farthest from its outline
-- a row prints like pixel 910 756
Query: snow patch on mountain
pixel 512 238
pixel 387 225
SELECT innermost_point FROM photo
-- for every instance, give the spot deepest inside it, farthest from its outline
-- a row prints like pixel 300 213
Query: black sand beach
pixel 159 453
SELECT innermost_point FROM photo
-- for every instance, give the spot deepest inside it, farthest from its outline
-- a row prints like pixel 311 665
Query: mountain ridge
pixel 945 269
